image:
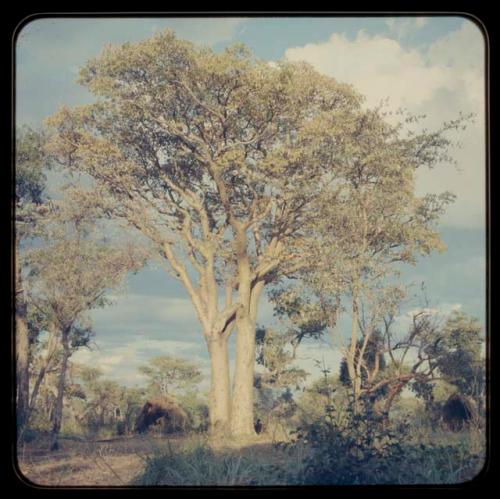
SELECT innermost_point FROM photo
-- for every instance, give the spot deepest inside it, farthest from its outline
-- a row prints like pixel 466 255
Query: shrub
pixel 360 448
pixel 199 465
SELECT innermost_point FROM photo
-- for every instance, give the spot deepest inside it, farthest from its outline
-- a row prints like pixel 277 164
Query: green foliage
pixel 459 354
pixel 30 164
pixel 170 375
pixel 108 405
pixel 359 449
pixel 455 350
pixel 317 396
pixel 196 406
pixel 274 354
pixel 199 465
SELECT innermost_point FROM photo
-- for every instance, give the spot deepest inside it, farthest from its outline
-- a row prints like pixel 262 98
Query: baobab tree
pixel 213 157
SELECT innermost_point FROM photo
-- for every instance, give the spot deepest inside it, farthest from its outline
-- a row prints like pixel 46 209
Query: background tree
pixel 29 195
pixel 371 219
pixel 69 274
pixel 426 354
pixel 103 398
pixel 456 350
pixel 170 375
pixel 373 364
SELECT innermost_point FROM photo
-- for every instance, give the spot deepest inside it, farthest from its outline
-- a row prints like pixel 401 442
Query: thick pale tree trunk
pixel 220 396
pixel 58 409
pixel 242 419
pixel 22 349
pixel 242 407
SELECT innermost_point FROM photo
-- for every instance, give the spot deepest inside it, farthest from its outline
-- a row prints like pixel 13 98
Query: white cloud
pixel 121 361
pixel 439 81
pixel 403 322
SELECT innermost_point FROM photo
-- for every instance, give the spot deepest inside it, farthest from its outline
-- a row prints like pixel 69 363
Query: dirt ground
pixel 114 462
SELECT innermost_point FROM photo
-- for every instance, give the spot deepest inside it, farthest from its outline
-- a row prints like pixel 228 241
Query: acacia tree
pixel 220 160
pixel 29 196
pixel 169 374
pixel 69 273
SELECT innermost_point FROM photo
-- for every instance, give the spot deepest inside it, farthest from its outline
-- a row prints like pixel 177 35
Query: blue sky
pixel 430 65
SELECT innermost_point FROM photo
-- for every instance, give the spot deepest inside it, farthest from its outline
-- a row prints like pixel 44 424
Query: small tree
pixel 170 375
pixel 29 195
pixel 430 351
pixel 372 360
pixel 107 403
pixel 456 351
pixel 70 274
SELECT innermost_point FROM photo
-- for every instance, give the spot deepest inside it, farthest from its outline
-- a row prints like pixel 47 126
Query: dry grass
pixel 103 463
pixel 119 461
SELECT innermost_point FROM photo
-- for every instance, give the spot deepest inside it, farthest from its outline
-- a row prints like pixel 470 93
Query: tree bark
pixel 242 408
pixel 58 409
pixel 219 386
pixel 352 359
pixel 22 348
pixel 389 401
pixel 242 423
pixel 43 370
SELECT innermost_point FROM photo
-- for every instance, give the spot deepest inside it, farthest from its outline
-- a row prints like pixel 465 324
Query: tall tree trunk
pixel 58 409
pixel 22 348
pixel 242 407
pixel 242 403
pixel 220 395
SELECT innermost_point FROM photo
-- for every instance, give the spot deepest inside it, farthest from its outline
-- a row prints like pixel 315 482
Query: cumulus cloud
pixel 440 81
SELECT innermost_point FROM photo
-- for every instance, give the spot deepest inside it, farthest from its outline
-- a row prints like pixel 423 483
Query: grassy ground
pixel 119 461
pixel 89 463
pixel 195 461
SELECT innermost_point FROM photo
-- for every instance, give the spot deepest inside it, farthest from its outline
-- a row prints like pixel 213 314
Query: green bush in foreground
pixel 363 449
pixel 200 466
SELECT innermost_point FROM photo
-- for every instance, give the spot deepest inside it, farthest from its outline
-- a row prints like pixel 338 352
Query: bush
pixel 200 466
pixel 361 448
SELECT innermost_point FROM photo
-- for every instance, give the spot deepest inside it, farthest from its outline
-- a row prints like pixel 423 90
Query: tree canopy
pixel 241 172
